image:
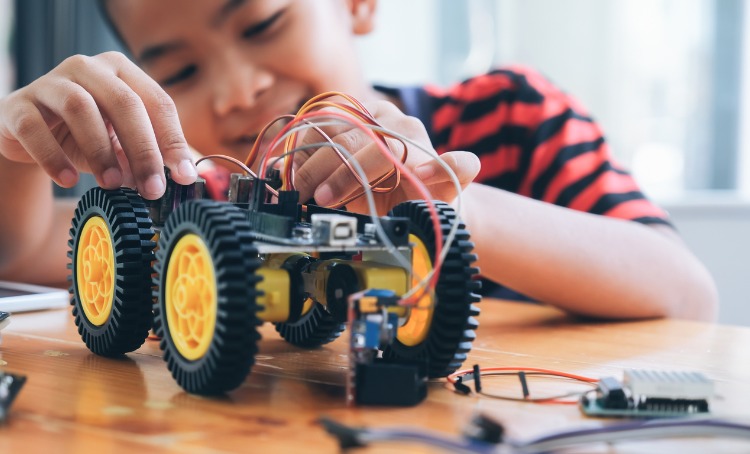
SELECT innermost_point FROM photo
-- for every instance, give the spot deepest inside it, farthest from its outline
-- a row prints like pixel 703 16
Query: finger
pixel 127 173
pixel 32 132
pixel 317 165
pixel 164 119
pixel 343 181
pixel 463 164
pixel 131 122
pixel 78 110
pixel 318 134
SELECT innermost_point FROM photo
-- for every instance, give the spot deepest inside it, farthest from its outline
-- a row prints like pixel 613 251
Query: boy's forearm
pixel 31 226
pixel 587 264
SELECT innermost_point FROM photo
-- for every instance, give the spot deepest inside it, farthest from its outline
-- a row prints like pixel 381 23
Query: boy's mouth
pixel 247 139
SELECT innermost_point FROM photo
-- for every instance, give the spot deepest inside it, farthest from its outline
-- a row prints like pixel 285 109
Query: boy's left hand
pixel 320 173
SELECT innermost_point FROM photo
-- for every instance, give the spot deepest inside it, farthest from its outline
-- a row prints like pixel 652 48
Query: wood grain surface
pixel 75 401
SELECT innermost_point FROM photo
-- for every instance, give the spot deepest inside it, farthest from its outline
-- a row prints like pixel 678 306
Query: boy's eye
pixel 183 74
pixel 257 29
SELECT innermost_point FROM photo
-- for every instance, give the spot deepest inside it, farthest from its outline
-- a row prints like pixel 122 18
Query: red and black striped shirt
pixel 532 139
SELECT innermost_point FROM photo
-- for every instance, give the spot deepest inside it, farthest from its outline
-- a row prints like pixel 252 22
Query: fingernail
pixel 187 169
pixel 112 178
pixel 324 195
pixel 67 178
pixel 424 172
pixel 154 185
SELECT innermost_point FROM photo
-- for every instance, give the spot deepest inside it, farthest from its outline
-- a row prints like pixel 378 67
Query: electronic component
pixel 650 394
pixel 10 385
pixel 334 229
pixel 372 380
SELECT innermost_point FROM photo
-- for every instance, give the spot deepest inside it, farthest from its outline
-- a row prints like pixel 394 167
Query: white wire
pixel 368 195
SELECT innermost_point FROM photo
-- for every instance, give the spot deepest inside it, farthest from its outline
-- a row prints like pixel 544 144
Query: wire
pixel 360 118
pixel 452 377
pixel 289 134
pixel 422 286
pixel 458 379
pixel 360 113
pixel 390 247
pixel 239 164
pixel 622 432
pixel 412 297
pixel 639 430
pixel 352 437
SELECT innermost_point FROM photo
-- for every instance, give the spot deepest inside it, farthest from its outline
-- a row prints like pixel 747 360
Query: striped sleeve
pixel 534 140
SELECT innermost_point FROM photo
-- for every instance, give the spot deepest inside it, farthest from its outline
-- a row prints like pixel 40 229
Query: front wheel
pixel 206 311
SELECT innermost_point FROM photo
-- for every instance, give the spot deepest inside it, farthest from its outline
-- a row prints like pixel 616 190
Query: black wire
pixel 524 385
pixel 477 379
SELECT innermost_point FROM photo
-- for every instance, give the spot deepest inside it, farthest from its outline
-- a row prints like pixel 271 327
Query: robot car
pixel 205 274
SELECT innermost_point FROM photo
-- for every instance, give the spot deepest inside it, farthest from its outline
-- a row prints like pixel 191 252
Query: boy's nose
pixel 238 86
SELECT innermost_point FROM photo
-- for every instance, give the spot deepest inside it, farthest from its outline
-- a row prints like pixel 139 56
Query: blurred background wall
pixel 668 79
pixel 7 72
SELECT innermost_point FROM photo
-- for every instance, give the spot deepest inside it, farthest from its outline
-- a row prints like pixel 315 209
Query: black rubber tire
pixel 315 328
pixel 132 235
pixel 453 325
pixel 226 232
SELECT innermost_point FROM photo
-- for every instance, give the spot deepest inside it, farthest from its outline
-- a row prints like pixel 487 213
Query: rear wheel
pixel 316 325
pixel 440 330
pixel 315 328
pixel 111 250
pixel 206 297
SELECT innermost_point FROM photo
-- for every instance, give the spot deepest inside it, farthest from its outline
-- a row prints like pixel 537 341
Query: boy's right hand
pixel 98 114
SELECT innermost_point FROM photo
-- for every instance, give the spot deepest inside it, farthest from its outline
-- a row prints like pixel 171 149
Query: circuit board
pixel 649 394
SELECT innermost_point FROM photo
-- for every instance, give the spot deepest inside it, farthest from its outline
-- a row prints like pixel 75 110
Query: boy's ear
pixel 363 15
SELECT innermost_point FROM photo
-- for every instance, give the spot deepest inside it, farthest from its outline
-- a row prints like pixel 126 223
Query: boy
pixel 230 66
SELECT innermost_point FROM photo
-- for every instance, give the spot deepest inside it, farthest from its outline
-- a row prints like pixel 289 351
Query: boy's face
pixel 231 66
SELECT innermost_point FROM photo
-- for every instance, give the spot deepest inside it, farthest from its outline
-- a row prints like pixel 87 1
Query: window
pixel 49 31
pixel 663 77
pixel 7 74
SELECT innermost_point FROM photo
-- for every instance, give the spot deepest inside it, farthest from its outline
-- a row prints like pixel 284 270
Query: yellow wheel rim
pixel 190 297
pixel 95 271
pixel 307 306
pixel 418 322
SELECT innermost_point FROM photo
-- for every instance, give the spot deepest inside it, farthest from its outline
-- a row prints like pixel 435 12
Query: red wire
pixel 452 379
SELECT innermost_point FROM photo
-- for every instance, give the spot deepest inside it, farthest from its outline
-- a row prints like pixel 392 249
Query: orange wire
pixel 358 116
pixel 374 185
pixel 360 112
pixel 413 300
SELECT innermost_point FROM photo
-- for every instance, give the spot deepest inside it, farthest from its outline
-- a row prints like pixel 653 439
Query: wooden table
pixel 75 401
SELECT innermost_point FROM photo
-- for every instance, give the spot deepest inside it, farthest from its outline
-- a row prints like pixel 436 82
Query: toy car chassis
pixel 206 274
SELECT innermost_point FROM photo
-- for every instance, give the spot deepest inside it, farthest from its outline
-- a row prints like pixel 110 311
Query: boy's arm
pixel 33 226
pixel 98 114
pixel 584 263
